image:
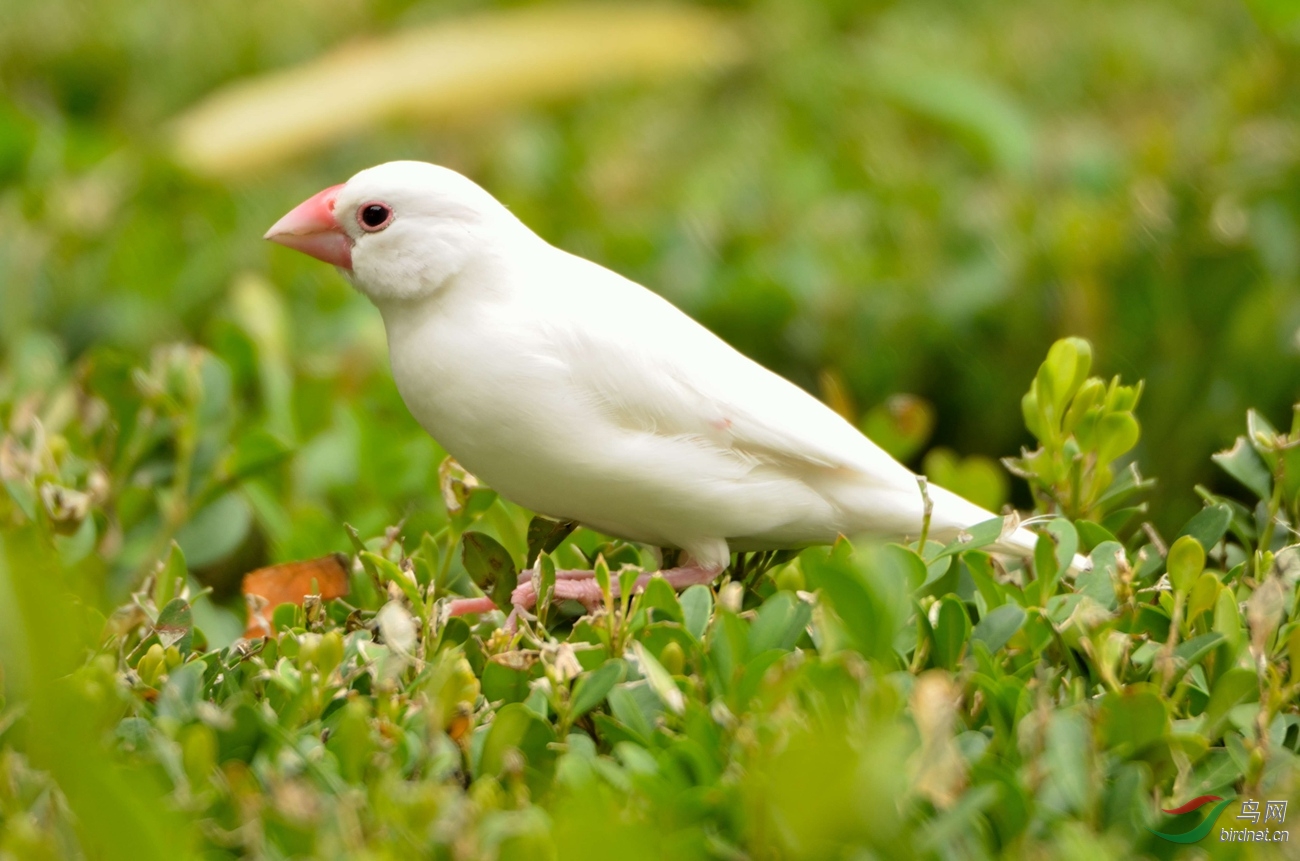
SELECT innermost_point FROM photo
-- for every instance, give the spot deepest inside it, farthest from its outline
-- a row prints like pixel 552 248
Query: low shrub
pixel 870 700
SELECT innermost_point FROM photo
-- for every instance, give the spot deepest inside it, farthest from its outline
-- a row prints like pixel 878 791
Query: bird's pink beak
pixel 310 227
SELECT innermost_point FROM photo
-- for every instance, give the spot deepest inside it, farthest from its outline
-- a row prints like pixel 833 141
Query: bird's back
pixel 645 366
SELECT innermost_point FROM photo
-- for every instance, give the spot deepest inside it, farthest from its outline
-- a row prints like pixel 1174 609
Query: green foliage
pixel 884 198
pixel 919 701
pixel 1082 425
pixel 918 196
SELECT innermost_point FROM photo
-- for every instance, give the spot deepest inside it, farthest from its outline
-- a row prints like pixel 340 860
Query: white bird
pixel 582 395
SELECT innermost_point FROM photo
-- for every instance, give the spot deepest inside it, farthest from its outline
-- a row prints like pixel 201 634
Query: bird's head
pixel 400 230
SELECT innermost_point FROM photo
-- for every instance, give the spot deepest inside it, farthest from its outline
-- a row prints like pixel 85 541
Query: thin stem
pixel 923 483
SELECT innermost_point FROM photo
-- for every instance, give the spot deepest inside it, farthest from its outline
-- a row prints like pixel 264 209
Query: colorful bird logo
pixel 1206 824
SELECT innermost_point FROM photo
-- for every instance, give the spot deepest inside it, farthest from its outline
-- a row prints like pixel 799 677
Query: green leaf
pixel 1032 414
pixel 934 573
pixel 660 681
pixel 182 692
pixel 627 578
pixel 951 628
pixel 982 574
pixel 1203 595
pixel 171 579
pixel 1092 534
pixel 980 535
pixel 1234 687
pixel 1131 719
pixel 354 537
pixel 517 727
pixel 857 596
pixel 751 677
pixel 538 702
pixel 1243 463
pixel 1098 583
pixel 1068 758
pixel 545 582
pixel 1209 525
pixel 697 608
pixel 1185 561
pixel 489 566
pixel 631 710
pixel 616 553
pixel 505 682
pixel 909 567
pixel 727 644
pixel 286 616
pixel 779 623
pixel 1116 520
pixel 1067 542
pixel 999 625
pixel 1067 365
pixel 485 559
pixel 1227 621
pixel 1045 567
pixel 175 625
pixel 351 741
pixel 1153 622
pixel 1292 652
pixel 545 535
pixel 1117 433
pixel 387 571
pixel 600 570
pixel 591 688
pixel 1193 651
pixel 663 598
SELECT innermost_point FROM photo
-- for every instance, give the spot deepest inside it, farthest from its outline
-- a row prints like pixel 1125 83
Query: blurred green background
pixel 870 198
pixel 875 199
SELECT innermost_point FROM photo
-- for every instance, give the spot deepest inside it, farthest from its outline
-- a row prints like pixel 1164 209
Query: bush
pixel 897 700
pixel 885 197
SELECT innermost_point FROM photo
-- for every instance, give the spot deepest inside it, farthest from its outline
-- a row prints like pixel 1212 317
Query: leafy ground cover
pixel 876 198
pixel 897 205
pixel 877 700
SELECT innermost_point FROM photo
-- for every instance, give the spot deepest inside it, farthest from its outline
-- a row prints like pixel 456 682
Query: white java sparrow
pixel 584 396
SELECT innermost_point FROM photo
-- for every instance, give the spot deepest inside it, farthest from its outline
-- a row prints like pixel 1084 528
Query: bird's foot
pixel 461 606
pixel 579 585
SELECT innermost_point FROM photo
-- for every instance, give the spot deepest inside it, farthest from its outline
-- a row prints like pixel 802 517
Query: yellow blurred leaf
pixel 463 67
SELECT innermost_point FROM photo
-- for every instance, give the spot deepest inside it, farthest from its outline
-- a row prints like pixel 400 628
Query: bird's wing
pixel 645 365
pixel 641 364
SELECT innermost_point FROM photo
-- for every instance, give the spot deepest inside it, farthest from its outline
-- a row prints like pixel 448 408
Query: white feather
pixel 582 395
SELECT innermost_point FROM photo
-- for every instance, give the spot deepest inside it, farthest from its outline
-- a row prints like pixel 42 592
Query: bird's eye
pixel 374 216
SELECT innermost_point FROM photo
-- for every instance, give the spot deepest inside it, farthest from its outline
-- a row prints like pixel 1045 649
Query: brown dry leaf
pixel 290 583
pixel 471 66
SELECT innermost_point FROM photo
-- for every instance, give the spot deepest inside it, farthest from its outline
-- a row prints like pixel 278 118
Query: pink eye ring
pixel 374 217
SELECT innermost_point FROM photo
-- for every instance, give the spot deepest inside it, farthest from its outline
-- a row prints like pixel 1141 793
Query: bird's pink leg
pixel 461 606
pixel 578 585
pixel 581 586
